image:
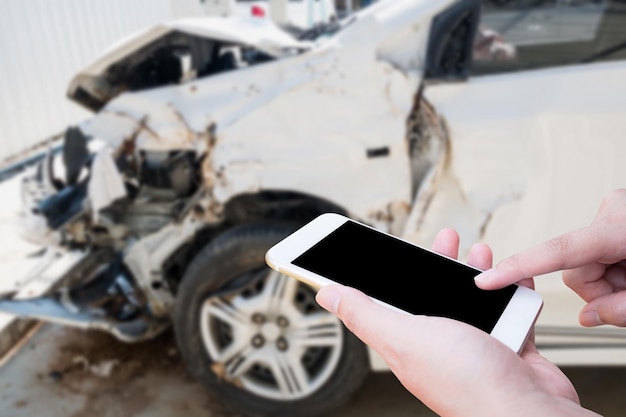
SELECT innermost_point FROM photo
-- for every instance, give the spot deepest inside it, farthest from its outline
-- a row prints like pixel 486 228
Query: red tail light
pixel 257 11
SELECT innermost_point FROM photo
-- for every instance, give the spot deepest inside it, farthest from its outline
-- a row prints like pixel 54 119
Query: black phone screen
pixel 405 276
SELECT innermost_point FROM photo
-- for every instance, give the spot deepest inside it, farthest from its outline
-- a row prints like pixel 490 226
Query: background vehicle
pixel 292 15
pixel 213 138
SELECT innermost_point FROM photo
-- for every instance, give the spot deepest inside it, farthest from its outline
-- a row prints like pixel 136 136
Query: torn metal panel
pixel 253 155
pixel 149 124
pixel 395 216
pixel 75 154
pixel 109 74
pixel 105 184
pixel 112 128
pixel 145 259
pixel 176 117
pixel 53 311
pixel 429 147
pixel 260 33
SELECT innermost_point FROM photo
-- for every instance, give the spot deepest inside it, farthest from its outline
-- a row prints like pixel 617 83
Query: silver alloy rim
pixel 276 341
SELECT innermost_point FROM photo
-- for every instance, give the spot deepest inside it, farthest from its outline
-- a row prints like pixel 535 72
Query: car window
pixel 524 34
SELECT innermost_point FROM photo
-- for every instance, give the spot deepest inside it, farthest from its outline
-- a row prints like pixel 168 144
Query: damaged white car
pixel 213 138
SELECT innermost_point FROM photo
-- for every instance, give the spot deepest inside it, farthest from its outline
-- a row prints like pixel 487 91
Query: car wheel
pixel 257 338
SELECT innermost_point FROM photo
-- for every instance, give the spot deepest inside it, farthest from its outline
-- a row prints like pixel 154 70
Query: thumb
pixel 609 309
pixel 368 320
pixel 328 298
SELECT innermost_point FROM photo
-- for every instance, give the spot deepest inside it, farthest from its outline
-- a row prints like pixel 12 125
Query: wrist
pixel 545 405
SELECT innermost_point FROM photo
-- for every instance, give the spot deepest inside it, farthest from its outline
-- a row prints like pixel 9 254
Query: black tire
pixel 231 270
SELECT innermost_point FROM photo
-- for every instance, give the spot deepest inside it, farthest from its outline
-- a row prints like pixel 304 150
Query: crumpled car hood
pixel 92 86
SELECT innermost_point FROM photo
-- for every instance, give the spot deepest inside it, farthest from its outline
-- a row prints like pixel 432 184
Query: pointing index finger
pixel 569 250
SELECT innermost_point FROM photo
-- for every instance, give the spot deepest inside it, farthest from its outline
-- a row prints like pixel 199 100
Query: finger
pixel 610 309
pixel 616 276
pixel 480 256
pixel 397 336
pixel 588 281
pixel 447 243
pixel 570 250
pixel 527 282
pixel 374 324
pixel 437 347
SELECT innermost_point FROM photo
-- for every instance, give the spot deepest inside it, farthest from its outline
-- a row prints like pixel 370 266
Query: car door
pixel 536 139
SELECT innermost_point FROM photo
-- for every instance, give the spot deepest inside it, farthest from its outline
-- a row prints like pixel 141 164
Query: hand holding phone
pixel 403 276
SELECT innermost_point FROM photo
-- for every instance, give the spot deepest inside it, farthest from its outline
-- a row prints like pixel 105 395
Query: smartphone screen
pixel 404 275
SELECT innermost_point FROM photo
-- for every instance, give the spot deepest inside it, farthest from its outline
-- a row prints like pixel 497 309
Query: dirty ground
pixel 67 372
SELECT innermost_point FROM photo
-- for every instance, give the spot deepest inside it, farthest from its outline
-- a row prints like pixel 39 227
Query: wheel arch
pixel 278 205
pixel 268 205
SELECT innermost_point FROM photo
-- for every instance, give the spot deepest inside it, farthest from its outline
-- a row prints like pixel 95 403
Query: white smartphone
pixel 405 277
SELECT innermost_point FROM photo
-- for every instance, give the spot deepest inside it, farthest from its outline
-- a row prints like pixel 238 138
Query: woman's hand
pixel 454 368
pixel 593 259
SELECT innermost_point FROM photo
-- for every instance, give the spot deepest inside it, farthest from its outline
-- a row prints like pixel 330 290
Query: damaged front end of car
pixel 128 190
pixel 127 213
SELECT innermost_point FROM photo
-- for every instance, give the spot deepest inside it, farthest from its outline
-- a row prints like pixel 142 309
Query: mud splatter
pixel 138 375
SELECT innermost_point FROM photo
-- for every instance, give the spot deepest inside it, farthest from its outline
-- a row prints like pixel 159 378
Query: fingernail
pixel 485 275
pixel 590 318
pixel 328 298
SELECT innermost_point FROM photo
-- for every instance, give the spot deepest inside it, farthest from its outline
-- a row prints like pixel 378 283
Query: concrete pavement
pixel 68 372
